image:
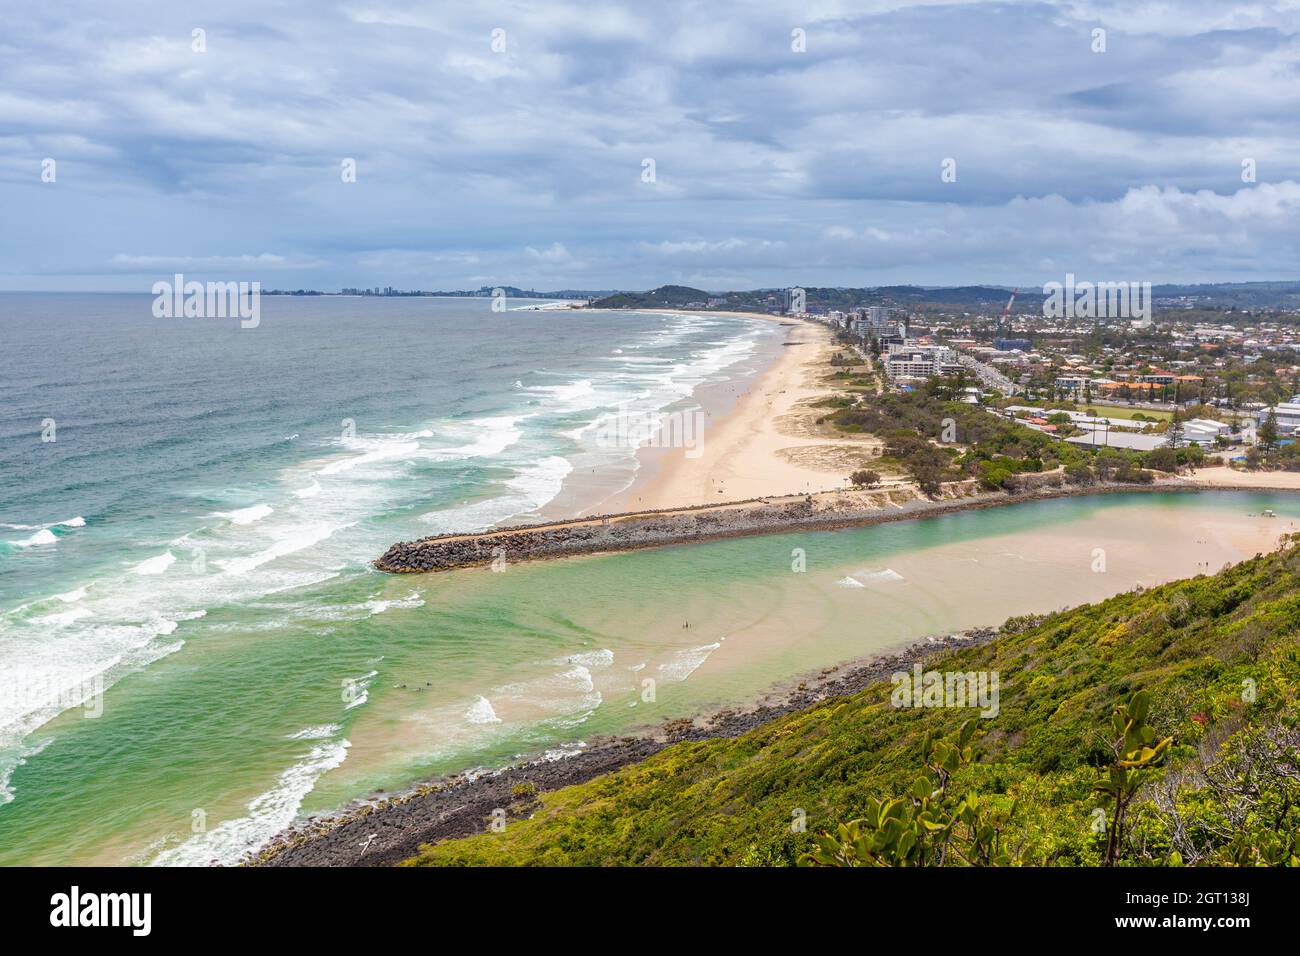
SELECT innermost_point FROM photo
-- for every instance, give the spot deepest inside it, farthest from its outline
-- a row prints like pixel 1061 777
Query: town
pixel 1224 381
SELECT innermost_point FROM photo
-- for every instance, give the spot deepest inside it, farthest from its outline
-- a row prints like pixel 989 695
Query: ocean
pixel 195 653
pixel 204 478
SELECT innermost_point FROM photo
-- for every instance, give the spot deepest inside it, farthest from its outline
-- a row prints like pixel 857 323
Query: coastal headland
pixel 776 468
pixel 386 832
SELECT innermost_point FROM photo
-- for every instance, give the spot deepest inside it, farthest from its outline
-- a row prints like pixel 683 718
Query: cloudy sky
pixel 525 164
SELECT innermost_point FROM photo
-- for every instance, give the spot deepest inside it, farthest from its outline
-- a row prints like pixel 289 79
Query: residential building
pixel 909 360
pixel 1288 416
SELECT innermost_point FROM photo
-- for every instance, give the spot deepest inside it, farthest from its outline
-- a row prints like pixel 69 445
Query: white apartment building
pixel 872 321
pixel 912 361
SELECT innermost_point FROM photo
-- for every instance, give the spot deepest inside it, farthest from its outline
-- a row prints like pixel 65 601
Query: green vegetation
pixel 935 439
pixel 1137 752
pixel 1132 414
pixel 1267 434
pixel 1159 727
pixel 927 826
pixel 664 297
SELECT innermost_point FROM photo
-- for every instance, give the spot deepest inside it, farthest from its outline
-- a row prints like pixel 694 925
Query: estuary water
pixel 194 651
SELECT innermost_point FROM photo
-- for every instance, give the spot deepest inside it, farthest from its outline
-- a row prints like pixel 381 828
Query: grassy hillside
pixel 1220 656
pixel 664 297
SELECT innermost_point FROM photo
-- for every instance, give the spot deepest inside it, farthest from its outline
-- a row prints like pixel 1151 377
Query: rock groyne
pixel 626 532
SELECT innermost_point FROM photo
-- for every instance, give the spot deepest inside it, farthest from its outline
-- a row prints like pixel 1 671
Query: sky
pixel 627 145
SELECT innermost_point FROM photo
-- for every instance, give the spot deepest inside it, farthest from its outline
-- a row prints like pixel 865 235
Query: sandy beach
pixel 860 604
pixel 1224 477
pixel 766 443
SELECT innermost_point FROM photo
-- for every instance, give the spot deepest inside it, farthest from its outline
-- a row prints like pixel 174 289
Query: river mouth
pixel 402 679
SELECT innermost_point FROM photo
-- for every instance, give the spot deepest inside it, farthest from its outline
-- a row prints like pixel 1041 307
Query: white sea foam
pixel 358 690
pixel 684 663
pixel 45 677
pixel 864 578
pixel 131 613
pixel 481 712
pixel 490 436
pixel 63 618
pixel 563 752
pixel 156 565
pixel 567 394
pixel 376 606
pixel 319 732
pixel 532 487
pixel 267 814
pixel 563 694
pixel 540 482
pixel 601 658
pixel 7 768
pixel 44 536
pixel 385 451
pixel 246 515
pixel 295 540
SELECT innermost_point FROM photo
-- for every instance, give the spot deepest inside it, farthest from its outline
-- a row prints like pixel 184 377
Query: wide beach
pixel 760 438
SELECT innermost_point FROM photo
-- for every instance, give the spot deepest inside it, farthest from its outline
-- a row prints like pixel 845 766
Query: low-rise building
pixel 1288 416
pixel 1204 431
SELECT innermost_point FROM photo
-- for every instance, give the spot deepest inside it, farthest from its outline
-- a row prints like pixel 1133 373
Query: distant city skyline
pixel 724 147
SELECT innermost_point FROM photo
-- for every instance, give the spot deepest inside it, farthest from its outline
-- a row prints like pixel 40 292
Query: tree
pixel 1163 459
pixel 928 478
pixel 862 478
pixel 1175 433
pixel 1267 435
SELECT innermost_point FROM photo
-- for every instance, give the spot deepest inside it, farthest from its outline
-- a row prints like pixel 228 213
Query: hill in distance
pixel 983 298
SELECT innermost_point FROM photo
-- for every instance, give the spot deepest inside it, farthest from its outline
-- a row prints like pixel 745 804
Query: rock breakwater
pixel 824 511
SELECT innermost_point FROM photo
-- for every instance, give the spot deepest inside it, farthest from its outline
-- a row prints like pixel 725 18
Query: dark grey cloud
pixel 772 167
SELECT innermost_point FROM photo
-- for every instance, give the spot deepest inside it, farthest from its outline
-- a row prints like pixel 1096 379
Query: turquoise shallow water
pixel 203 477
pixel 266 672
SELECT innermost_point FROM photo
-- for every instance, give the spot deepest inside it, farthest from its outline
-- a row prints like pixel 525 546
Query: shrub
pixel 863 478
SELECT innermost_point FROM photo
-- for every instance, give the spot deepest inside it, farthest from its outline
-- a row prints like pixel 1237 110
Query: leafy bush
pixel 1218 657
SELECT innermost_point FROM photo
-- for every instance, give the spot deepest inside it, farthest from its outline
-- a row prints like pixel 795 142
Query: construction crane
pixel 1006 314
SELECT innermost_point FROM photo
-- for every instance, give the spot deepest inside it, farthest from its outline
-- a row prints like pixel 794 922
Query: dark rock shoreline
pixel 386 832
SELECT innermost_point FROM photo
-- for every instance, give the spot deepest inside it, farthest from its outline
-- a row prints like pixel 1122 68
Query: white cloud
pixel 265 260
pixel 772 166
